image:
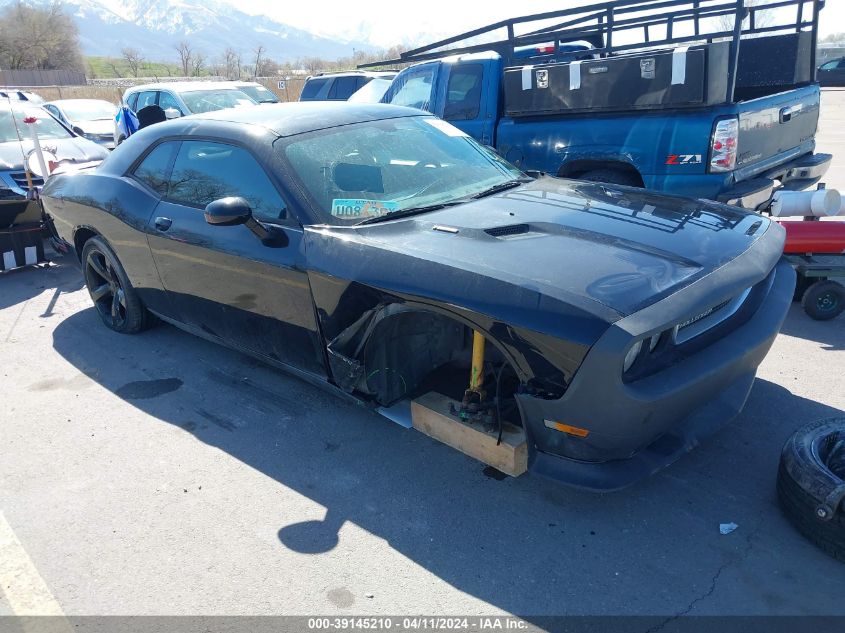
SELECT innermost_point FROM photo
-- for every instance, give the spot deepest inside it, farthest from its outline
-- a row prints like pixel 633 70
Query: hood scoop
pixel 508 230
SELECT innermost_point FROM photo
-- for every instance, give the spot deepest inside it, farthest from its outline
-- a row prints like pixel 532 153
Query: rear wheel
pixel 117 302
pixel 824 300
pixel 612 176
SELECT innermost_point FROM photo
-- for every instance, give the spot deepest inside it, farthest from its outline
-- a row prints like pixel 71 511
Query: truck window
pixel 416 90
pixel 463 94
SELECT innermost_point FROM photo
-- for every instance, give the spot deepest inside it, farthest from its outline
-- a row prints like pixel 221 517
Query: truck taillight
pixel 723 145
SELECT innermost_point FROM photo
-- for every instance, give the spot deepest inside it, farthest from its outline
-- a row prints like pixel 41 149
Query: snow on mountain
pixel 156 26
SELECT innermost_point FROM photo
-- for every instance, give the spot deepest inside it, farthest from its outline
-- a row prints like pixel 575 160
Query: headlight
pixel 631 356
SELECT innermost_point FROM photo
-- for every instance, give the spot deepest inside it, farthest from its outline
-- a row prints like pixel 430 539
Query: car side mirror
pixel 78 130
pixel 228 211
pixel 172 113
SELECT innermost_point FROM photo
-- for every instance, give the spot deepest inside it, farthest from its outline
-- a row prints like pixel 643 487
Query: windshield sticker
pixel 355 208
pixel 446 128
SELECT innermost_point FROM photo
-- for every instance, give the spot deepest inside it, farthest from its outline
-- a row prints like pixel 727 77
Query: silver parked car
pixel 17 153
pixel 181 98
pixel 90 118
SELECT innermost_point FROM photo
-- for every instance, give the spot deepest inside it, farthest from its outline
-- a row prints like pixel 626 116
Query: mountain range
pixel 154 27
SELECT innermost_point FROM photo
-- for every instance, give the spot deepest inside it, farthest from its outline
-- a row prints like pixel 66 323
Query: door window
pixel 830 65
pixel 342 88
pixel 167 100
pixel 311 89
pixel 463 94
pixel 415 91
pixel 205 171
pixel 145 99
pixel 152 171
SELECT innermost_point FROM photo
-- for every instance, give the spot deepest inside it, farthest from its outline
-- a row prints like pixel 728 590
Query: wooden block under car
pixel 430 415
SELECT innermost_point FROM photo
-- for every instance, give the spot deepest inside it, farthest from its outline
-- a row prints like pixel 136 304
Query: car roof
pixel 185 86
pixel 354 73
pixel 297 117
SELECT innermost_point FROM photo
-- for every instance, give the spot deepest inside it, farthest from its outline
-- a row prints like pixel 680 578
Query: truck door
pixel 470 99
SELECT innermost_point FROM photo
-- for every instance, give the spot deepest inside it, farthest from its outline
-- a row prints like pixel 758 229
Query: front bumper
pixel 639 427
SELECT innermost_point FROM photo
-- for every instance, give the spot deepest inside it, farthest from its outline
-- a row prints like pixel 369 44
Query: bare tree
pixel 38 38
pixel 133 59
pixel 259 59
pixel 232 63
pixel 761 17
pixel 198 64
pixel 117 72
pixel 186 57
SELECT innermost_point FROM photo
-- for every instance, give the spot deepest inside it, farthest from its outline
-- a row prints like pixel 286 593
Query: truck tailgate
pixel 776 126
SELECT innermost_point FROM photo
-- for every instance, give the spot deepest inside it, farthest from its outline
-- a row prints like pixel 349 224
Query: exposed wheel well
pixel 577 168
pixel 403 353
pixel 81 236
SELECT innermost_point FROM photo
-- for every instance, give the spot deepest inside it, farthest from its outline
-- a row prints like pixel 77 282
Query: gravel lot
pixel 161 474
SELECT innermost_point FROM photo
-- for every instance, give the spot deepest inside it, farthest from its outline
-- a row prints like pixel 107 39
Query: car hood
pixel 74 149
pixel 599 248
pixel 99 127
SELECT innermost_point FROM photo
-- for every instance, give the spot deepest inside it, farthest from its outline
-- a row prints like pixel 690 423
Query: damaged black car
pixel 382 253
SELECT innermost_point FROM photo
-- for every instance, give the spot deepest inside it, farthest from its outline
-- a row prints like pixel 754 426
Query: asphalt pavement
pixel 162 474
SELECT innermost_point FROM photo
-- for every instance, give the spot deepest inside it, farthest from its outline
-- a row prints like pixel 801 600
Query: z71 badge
pixel 683 159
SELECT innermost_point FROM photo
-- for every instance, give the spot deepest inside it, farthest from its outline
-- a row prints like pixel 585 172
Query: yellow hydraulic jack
pixel 474 396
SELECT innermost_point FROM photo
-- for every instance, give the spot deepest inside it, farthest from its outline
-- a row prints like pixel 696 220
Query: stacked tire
pixel 811 483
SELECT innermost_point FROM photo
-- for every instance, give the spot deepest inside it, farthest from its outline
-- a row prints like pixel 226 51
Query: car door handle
pixel 162 224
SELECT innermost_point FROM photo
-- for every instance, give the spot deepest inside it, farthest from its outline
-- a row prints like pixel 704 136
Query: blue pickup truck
pixel 708 116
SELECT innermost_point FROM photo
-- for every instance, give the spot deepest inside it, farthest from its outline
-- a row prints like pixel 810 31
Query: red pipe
pixel 814 237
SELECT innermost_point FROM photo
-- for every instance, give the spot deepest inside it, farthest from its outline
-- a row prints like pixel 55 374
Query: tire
pixel 116 301
pixel 824 300
pixel 612 176
pixel 812 467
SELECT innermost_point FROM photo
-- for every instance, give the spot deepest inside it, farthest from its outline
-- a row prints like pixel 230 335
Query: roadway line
pixel 24 588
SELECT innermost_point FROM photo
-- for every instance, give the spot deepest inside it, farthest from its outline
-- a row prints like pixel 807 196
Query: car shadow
pixel 524 545
pixel 31 281
pixel 830 334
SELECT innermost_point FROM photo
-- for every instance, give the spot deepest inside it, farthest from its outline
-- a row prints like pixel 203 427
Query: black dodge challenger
pixel 361 246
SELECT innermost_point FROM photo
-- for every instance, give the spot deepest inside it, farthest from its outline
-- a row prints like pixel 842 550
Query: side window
pixel 132 101
pixel 342 88
pixel 152 171
pixel 311 89
pixel 145 99
pixel 167 100
pixel 830 65
pixel 205 171
pixel 415 90
pixel 463 94
pixel 361 82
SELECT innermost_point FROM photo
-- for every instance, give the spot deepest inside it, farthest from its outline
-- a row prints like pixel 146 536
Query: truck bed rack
pixel 643 54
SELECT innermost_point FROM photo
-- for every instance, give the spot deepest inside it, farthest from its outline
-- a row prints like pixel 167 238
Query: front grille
pixel 20 180
pixel 710 318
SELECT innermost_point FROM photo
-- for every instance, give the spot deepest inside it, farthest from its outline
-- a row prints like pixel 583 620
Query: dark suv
pixel 339 86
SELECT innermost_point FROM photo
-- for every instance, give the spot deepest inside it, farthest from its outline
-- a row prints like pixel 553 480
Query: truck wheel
pixel 117 302
pixel 612 176
pixel 824 300
pixel 811 483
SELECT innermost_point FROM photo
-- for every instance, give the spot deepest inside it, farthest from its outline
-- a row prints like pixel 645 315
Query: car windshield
pixel 199 101
pixel 89 110
pixel 366 171
pixel 259 94
pixel 47 126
